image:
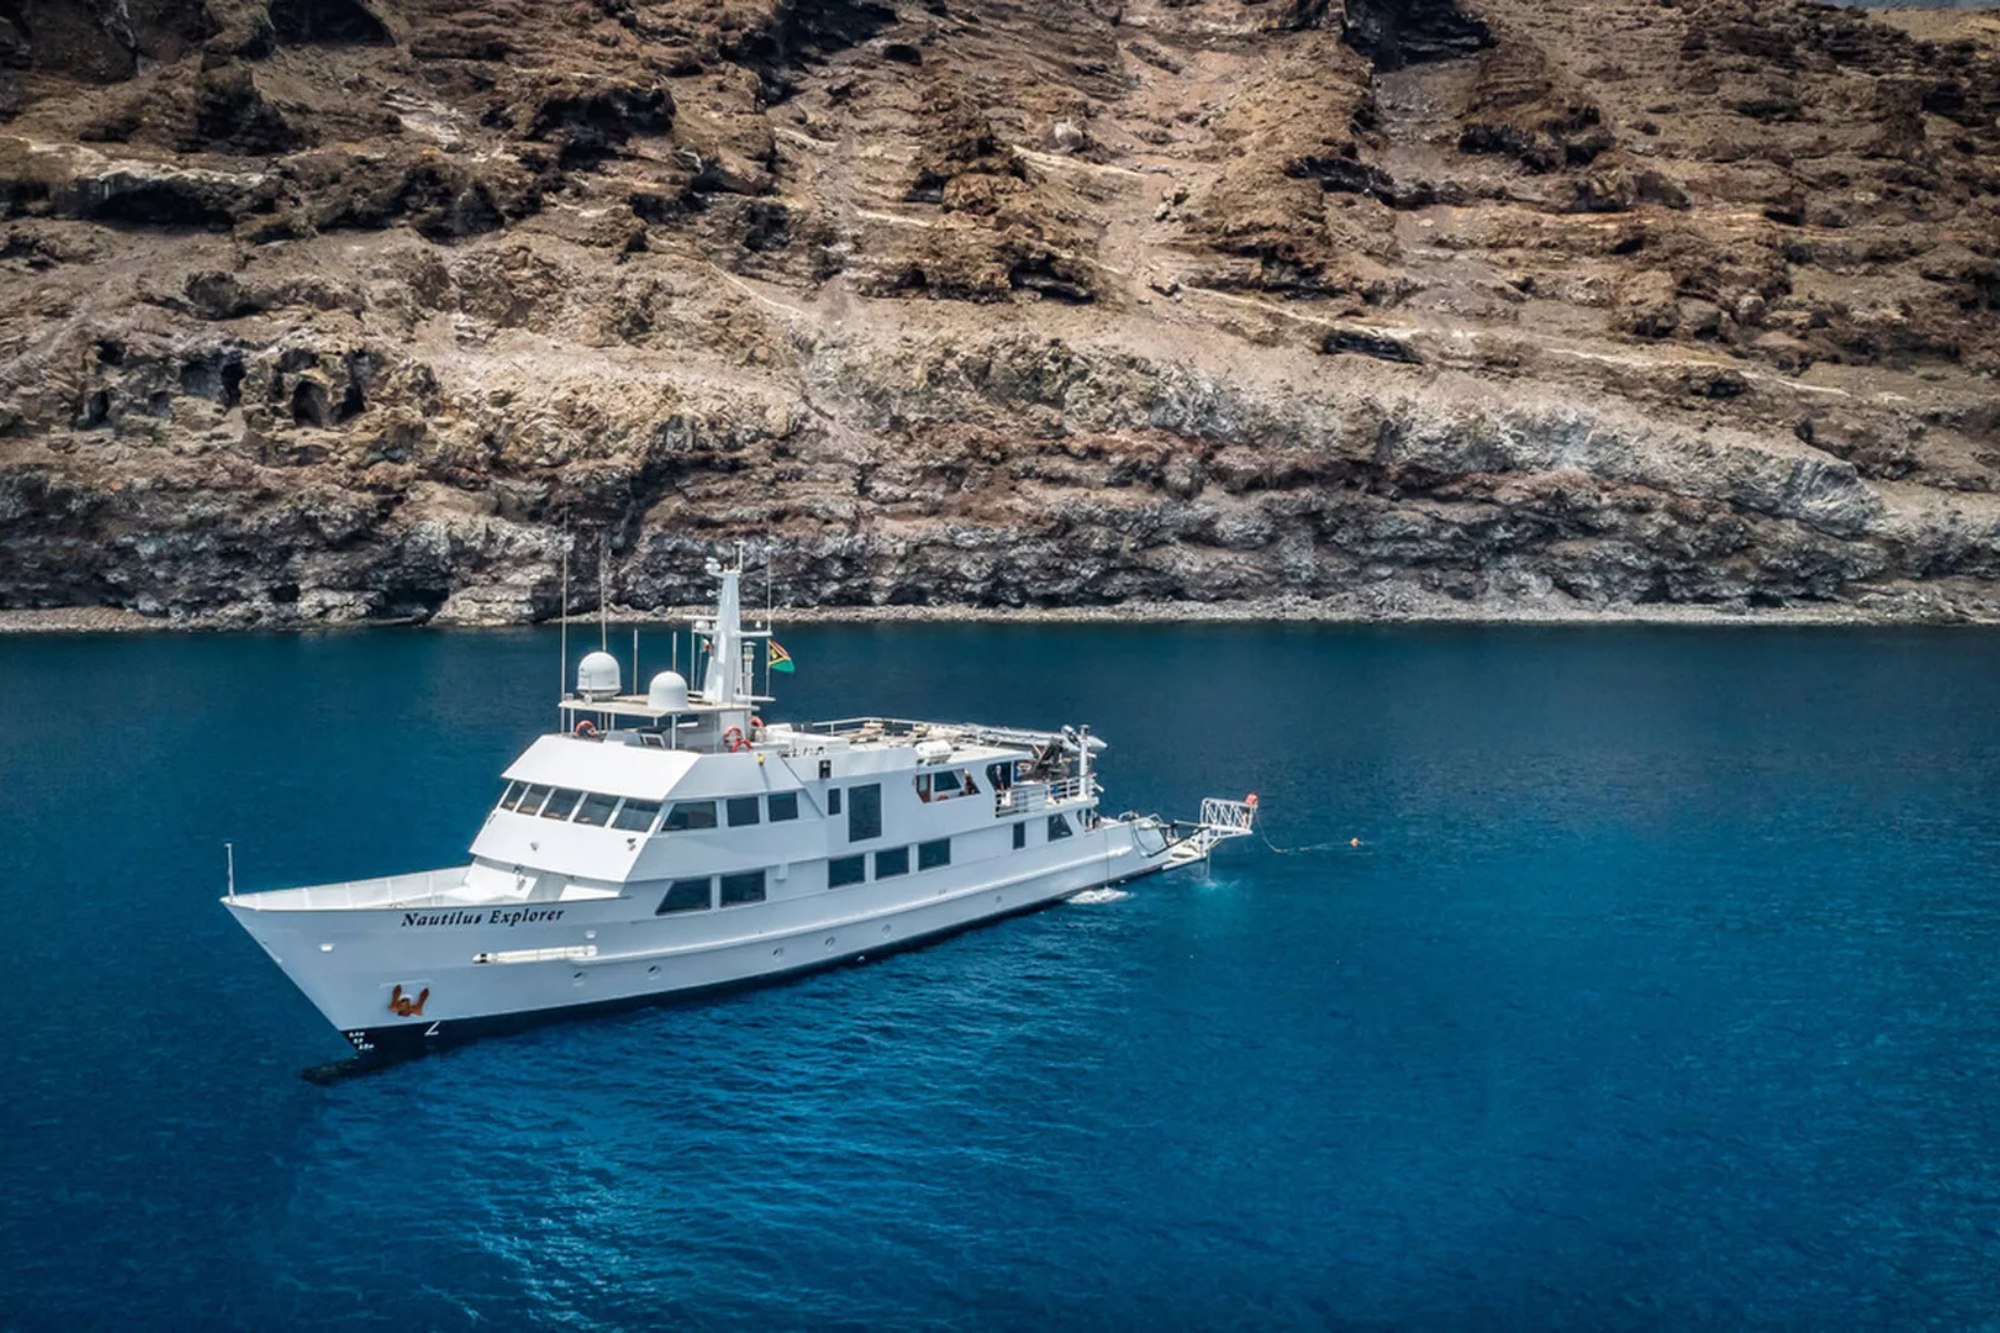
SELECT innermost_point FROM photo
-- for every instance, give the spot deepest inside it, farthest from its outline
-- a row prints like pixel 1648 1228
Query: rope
pixel 1306 850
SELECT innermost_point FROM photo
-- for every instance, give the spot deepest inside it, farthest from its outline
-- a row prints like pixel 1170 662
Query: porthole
pixel 829 941
pixel 653 971
pixel 778 952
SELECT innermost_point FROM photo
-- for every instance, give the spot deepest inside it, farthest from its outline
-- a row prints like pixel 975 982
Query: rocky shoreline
pixel 1925 607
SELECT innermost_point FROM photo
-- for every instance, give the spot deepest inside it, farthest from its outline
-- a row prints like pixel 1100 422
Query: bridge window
pixel 684 895
pixel 864 812
pixel 1058 827
pixel 842 871
pixel 531 799
pixel 690 815
pixel 596 809
pixel 636 816
pixel 892 861
pixel 784 806
pixel 742 810
pixel 931 855
pixel 747 887
pixel 511 795
pixel 1020 835
pixel 945 783
pixel 561 803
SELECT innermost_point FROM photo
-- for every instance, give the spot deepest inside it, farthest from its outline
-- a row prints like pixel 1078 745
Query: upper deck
pixel 583 817
pixel 643 789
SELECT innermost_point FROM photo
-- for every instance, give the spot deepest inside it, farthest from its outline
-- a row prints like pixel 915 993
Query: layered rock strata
pixel 318 311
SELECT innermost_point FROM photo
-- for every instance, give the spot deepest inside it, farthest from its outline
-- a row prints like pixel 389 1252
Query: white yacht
pixel 673 841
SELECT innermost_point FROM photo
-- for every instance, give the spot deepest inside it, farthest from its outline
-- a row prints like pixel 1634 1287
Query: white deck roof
pixel 614 770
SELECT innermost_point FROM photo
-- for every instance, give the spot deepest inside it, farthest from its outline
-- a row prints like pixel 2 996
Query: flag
pixel 780 660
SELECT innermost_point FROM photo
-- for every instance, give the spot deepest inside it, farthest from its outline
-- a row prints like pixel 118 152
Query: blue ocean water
pixel 1660 993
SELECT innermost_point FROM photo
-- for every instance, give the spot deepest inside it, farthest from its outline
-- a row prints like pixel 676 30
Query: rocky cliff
pixel 328 310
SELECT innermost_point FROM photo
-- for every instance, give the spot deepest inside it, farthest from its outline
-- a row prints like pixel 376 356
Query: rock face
pixel 329 310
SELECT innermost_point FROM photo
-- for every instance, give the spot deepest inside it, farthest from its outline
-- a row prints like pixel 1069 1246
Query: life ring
pixel 586 728
pixel 733 738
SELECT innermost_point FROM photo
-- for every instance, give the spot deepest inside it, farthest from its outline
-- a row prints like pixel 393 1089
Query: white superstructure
pixel 672 841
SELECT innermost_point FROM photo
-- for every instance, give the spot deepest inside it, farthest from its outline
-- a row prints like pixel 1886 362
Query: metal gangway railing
pixel 1220 821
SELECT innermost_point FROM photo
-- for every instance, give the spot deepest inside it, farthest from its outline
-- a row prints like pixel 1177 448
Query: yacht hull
pixel 397 981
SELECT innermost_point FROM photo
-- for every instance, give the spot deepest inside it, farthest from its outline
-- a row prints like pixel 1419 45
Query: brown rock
pixel 337 309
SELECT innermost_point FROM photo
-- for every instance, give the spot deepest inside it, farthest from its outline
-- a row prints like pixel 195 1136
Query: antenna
pixel 635 659
pixel 603 592
pixel 229 850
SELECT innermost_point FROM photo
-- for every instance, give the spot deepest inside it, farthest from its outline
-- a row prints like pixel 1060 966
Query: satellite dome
pixel 597 676
pixel 668 693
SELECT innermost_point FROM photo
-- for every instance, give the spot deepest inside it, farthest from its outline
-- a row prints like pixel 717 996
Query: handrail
pixel 1238 816
pixel 1024 798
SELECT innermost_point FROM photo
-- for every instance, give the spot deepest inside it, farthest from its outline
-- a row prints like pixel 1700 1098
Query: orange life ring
pixel 733 738
pixel 586 728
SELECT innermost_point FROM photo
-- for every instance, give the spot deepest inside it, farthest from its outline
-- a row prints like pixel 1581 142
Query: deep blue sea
pixel 1663 992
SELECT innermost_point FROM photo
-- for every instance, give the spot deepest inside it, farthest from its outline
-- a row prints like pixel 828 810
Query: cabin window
pixel 511 795
pixel 636 816
pixel 684 895
pixel 596 809
pixel 945 784
pixel 784 806
pixel 561 804
pixel 833 800
pixel 1020 836
pixel 747 887
pixel 931 855
pixel 1058 827
pixel 842 871
pixel 531 799
pixel 864 812
pixel 742 810
pixel 690 815
pixel 892 861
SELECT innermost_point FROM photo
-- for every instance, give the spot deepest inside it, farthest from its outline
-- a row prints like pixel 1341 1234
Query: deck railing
pixel 847 726
pixel 391 891
pixel 1028 797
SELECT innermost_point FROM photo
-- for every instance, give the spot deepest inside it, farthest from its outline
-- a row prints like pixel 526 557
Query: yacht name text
pixel 499 916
